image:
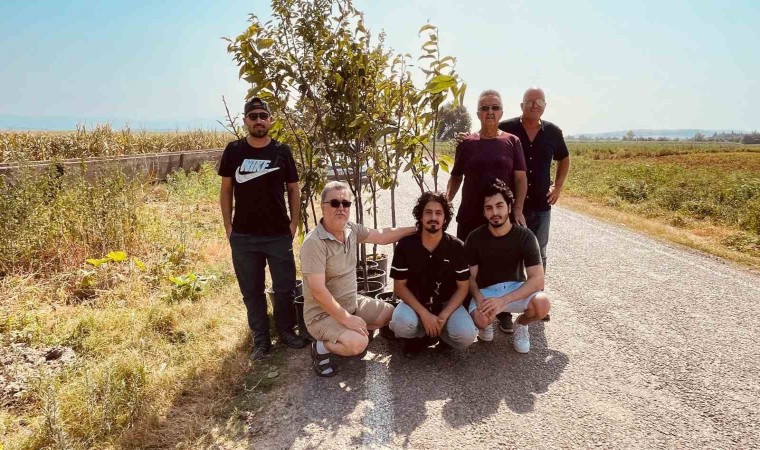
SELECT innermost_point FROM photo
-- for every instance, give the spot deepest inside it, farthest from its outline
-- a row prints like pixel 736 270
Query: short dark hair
pixel 419 208
pixel 497 186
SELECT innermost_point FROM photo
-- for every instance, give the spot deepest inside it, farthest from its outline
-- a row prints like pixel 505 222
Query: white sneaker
pixel 521 338
pixel 486 334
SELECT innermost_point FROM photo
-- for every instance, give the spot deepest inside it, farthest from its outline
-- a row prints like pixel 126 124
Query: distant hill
pixel 63 123
pixel 684 133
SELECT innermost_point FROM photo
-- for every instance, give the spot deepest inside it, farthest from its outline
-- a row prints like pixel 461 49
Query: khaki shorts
pixel 326 328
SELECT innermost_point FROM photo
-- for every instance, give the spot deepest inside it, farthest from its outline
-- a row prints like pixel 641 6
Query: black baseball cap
pixel 256 103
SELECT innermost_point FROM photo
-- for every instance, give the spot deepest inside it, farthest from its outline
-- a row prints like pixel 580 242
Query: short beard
pixel 432 230
pixel 499 225
pixel 258 132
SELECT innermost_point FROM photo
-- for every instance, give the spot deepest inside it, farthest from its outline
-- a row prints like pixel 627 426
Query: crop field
pixel 102 140
pixel 703 188
pixel 117 301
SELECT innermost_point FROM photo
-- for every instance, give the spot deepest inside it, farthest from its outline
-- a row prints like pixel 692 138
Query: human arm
pixel 324 298
pixel 456 300
pixel 429 320
pixel 453 187
pixel 225 202
pixel 563 167
pixel 534 283
pixel 521 190
pixel 387 235
pixel 294 202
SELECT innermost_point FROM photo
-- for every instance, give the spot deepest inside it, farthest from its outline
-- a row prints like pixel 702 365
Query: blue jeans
pixel 459 331
pixel 538 223
pixel 250 256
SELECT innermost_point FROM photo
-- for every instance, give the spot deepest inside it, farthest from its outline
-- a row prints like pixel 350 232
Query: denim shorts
pixel 499 289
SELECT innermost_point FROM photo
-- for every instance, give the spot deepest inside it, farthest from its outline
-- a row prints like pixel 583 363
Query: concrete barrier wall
pixel 152 166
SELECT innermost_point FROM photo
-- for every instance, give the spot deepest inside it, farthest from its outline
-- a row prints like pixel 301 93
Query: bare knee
pixel 354 342
pixel 541 305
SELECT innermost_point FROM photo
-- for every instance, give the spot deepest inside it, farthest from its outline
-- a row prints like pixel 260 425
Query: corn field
pixel 102 140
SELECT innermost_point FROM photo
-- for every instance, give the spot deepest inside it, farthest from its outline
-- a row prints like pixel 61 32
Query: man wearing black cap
pixel 255 171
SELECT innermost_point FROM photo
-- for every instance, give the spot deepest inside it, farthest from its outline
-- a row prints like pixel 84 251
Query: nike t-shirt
pixel 258 182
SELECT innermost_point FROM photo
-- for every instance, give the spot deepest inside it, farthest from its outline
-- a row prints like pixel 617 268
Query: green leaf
pixel 98 262
pixel 140 265
pixel 117 256
pixel 265 43
pixel 425 28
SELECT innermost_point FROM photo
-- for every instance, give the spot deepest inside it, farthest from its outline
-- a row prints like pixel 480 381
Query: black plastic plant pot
pixel 372 275
pixel 375 287
pixel 388 297
pixel 302 331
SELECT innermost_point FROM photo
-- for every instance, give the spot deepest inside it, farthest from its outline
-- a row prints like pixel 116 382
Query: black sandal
pixel 322 363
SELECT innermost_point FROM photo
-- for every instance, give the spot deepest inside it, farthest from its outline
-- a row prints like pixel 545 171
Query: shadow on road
pixel 472 384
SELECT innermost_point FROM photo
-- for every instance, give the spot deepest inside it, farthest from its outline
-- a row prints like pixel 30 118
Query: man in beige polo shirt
pixel 340 320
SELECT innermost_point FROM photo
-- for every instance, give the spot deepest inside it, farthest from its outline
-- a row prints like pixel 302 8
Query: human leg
pixel 405 323
pixel 279 252
pixel 249 263
pixel 460 330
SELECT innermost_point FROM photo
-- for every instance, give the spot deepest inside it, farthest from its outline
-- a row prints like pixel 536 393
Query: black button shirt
pixel 431 276
pixel 549 144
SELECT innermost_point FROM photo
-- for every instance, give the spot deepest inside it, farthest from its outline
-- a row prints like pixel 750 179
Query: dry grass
pixel 706 238
pixel 157 366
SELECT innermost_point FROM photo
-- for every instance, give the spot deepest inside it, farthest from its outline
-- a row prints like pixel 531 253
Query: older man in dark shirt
pixel 542 142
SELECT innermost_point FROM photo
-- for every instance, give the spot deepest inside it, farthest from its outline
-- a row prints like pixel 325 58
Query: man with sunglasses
pixel 490 153
pixel 256 171
pixel 341 321
pixel 542 142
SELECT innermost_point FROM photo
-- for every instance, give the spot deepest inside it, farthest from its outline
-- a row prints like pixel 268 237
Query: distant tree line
pixel 744 138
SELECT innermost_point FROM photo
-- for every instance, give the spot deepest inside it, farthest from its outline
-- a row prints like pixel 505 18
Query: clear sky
pixel 604 65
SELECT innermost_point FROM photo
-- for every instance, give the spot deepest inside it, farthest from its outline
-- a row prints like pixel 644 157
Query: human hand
pixel 461 136
pixel 357 324
pixel 443 317
pixel 520 218
pixel 430 323
pixel 492 306
pixel 553 195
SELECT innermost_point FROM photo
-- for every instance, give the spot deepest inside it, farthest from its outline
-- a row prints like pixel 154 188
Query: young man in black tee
pixel 499 255
pixel 255 172
pixel 431 278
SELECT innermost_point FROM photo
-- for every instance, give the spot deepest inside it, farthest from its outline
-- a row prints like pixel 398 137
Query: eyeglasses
pixel 538 102
pixel 486 108
pixel 337 203
pixel 253 116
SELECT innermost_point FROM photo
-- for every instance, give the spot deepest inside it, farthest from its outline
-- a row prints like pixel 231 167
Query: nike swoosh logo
pixel 242 178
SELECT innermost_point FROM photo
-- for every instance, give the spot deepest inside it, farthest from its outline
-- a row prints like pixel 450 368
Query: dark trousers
pixel 250 256
pixel 538 223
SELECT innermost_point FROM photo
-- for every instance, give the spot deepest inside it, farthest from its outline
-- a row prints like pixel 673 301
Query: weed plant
pixel 155 359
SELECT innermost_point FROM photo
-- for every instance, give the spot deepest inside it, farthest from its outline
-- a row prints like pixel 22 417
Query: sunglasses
pixel 486 108
pixel 253 116
pixel 337 203
pixel 540 103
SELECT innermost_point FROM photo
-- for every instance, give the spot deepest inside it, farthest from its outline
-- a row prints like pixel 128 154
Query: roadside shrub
pixel 53 222
pixel 632 191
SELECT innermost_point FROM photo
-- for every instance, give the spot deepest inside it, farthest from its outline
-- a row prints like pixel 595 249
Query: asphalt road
pixel 649 346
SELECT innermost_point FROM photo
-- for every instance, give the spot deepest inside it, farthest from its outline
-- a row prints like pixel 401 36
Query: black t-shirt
pixel 478 160
pixel 547 145
pixel 431 277
pixel 503 258
pixel 258 181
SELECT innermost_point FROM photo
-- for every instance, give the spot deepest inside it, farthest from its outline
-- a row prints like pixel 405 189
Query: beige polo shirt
pixel 321 252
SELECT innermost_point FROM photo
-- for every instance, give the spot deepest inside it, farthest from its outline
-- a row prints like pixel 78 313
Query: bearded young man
pixel 256 171
pixel 500 256
pixel 432 279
